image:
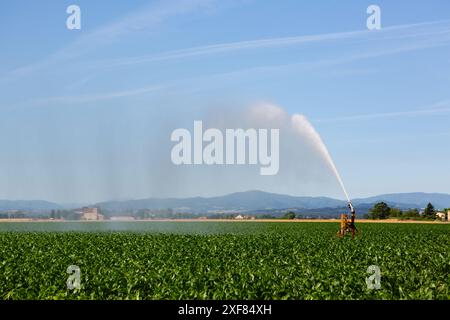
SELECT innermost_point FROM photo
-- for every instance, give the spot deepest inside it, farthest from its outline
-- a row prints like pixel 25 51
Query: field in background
pixel 220 260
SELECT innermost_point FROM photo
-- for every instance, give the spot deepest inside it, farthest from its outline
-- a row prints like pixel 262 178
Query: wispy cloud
pixel 145 18
pixel 437 31
pixel 395 139
pixel 290 67
pixel 442 107
pixel 408 31
pixel 417 36
pixel 92 97
pixel 324 63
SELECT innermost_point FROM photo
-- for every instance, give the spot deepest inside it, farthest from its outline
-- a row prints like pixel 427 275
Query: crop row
pixel 271 261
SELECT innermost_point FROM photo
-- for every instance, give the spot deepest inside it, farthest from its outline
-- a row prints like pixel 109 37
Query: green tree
pixel 430 212
pixel 379 211
pixel 395 213
pixel 411 213
pixel 290 215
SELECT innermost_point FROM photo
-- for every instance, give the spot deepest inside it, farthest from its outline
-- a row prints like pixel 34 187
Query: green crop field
pixel 222 260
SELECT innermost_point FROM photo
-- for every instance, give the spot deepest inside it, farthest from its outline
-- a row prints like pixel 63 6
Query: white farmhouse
pixel 440 216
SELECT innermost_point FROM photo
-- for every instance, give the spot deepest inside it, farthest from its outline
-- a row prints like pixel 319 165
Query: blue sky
pixel 85 115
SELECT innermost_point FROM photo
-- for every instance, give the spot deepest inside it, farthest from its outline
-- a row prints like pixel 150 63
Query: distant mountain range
pixel 239 201
pixel 28 205
pixel 264 201
pixel 409 200
pixel 247 201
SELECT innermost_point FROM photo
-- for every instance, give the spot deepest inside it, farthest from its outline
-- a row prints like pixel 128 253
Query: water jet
pixel 301 124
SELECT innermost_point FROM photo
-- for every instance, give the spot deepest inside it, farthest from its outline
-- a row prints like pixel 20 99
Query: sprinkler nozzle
pixel 350 206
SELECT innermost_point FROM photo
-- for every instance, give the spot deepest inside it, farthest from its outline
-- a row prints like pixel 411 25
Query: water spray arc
pixel 301 124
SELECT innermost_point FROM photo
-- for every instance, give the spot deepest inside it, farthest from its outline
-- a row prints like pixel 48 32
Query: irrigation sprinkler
pixel 346 225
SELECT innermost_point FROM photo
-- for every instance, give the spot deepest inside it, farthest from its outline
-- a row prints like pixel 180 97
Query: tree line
pixel 382 210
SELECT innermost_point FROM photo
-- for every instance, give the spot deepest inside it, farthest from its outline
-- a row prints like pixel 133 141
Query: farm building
pixel 241 217
pixel 91 214
pixel 440 216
